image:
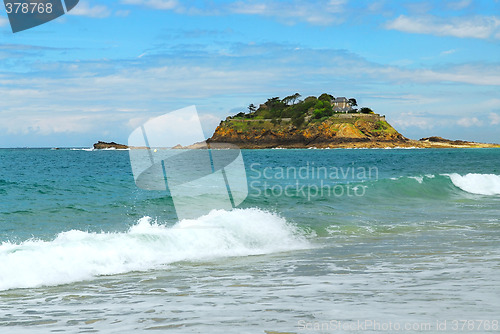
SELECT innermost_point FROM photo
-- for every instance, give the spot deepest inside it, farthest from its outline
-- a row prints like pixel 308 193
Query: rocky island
pixel 319 122
pixel 101 145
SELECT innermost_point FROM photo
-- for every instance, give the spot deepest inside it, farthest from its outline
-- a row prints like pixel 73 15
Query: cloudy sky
pixel 432 67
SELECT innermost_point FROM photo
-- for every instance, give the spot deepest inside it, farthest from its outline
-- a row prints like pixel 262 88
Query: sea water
pixel 344 241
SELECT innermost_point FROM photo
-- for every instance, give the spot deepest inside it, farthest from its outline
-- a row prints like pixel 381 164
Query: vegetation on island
pixel 299 111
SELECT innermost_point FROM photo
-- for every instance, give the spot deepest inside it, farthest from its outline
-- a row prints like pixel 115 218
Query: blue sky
pixel 432 67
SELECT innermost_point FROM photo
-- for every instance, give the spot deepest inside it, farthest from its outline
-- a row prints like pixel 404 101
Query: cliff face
pixel 335 131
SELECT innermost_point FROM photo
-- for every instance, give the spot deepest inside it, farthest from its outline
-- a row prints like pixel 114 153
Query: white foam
pixel 114 149
pixel 400 148
pixel 481 184
pixel 76 255
pixel 83 149
pixel 419 179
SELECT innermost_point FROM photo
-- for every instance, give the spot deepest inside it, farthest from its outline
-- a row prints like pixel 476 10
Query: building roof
pixel 341 99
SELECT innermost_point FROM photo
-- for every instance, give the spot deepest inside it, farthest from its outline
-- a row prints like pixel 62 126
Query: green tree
pixel 275 104
pixel 319 104
pixel 365 110
pixel 353 102
pixel 300 108
pixel 318 113
pixel 328 109
pixel 310 98
pixel 287 99
pixel 325 97
pixel 295 97
pixel 252 108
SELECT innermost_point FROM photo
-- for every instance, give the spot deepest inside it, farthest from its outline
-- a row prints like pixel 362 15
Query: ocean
pixel 327 241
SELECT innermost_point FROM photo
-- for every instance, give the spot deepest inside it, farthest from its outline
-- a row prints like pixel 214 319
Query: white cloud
pixel 418 7
pixel 84 9
pixel 3 21
pixel 413 120
pixel 485 75
pixel 458 5
pixel 122 13
pixel 135 122
pixel 448 52
pixel 468 122
pixel 323 12
pixel 463 27
pixel 376 6
pixel 209 122
pixel 494 118
pixel 42 105
pixel 46 123
pixel 317 13
pixel 155 4
pixel 408 99
pixel 492 103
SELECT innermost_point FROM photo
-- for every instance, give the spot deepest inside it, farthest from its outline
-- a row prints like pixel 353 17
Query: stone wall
pixel 368 117
pixel 257 120
pixel 347 117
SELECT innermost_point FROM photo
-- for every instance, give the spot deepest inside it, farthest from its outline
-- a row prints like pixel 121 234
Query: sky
pixel 105 68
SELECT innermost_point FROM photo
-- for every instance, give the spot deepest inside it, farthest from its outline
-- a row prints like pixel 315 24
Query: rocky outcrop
pixel 439 142
pixel 443 140
pixel 100 145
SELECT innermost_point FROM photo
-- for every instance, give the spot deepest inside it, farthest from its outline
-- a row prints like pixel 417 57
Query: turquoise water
pixel 325 237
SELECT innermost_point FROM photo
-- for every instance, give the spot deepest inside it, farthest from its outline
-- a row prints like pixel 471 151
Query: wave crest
pixel 480 184
pixel 76 255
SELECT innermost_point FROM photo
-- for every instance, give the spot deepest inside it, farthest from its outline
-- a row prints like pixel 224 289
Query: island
pixel 318 122
pixel 101 145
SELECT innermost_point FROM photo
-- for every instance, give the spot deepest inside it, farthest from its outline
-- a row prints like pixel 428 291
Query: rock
pixel 100 145
pixel 436 139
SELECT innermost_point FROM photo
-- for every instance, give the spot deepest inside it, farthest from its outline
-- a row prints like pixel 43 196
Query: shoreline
pixel 346 146
pixel 417 144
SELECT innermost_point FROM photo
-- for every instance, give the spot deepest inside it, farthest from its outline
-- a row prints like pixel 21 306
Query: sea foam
pixel 76 255
pixel 481 184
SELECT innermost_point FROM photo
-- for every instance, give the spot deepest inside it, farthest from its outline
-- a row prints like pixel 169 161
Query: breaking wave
pixel 77 255
pixel 481 184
